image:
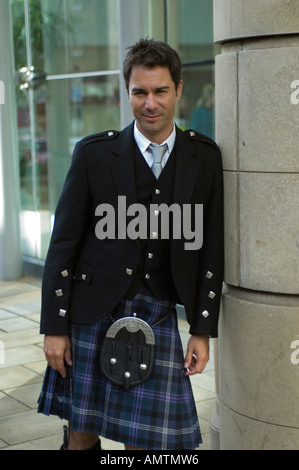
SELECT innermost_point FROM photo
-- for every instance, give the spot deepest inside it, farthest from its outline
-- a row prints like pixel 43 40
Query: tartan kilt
pixel 159 414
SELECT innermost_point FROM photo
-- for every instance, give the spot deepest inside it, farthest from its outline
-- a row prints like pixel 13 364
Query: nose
pixel 150 102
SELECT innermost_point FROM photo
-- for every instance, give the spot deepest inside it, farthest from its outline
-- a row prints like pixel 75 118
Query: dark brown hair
pixel 151 53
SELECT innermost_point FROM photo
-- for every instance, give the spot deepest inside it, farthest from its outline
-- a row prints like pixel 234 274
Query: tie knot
pixel 158 151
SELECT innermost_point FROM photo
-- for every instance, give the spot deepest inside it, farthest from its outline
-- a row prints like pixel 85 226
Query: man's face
pixel 153 97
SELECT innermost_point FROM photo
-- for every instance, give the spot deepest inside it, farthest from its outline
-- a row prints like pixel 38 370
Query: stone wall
pixel 257 124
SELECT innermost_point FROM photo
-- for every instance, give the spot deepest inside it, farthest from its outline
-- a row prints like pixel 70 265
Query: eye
pixel 161 91
pixel 138 92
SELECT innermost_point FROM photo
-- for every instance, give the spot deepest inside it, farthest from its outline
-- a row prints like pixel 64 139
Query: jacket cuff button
pixel 62 312
pixel 205 313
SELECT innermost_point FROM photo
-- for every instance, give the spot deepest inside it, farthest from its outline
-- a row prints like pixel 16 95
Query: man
pixel 91 280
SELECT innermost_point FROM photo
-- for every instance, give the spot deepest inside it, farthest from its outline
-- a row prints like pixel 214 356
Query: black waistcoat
pixel 154 262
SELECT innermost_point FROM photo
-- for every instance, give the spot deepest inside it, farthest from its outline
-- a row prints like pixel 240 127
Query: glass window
pixel 19 33
pixel 197 106
pixel 190 31
pixel 195 29
pixel 67 51
pixel 78 107
pixel 78 36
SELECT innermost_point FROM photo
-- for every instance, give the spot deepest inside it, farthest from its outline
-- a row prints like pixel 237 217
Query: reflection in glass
pixel 79 35
pixel 66 36
pixel 65 111
pixel 78 107
pixel 190 31
pixel 194 24
pixel 53 38
pixel 197 107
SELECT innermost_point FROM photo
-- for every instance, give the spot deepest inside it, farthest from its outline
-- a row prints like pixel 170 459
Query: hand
pixel 197 354
pixel 57 350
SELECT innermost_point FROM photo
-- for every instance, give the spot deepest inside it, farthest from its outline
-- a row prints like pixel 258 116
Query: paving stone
pixel 17 376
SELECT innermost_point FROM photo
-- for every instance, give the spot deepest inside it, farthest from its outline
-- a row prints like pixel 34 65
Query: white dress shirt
pixel 143 144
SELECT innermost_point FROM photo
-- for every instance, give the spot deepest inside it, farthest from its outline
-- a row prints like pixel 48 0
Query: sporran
pixel 127 355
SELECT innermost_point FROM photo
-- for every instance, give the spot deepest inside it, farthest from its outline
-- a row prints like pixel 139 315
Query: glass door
pixel 66 58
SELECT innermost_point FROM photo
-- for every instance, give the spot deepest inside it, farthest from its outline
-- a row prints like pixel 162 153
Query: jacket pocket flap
pixel 83 272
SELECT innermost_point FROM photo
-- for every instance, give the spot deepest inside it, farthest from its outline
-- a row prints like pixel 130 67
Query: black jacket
pixel 85 278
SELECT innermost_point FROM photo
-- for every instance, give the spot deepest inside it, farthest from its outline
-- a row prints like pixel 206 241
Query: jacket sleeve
pixel 71 220
pixel 210 280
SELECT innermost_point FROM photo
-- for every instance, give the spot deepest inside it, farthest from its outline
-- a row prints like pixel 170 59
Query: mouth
pixel 151 117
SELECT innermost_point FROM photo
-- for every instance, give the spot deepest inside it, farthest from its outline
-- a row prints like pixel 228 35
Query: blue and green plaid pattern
pixel 159 414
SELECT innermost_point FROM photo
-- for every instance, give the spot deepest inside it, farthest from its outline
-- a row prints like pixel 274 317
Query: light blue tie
pixel 158 151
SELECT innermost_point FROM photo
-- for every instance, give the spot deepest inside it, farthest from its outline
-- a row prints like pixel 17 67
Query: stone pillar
pixel 257 122
pixel 10 243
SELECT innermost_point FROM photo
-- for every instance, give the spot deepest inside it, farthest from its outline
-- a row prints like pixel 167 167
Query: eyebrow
pixel 161 88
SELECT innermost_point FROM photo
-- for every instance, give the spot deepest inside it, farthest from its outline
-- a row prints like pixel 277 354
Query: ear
pixel 179 90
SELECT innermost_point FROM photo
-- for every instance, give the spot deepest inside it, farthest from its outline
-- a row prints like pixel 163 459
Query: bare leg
pixel 81 440
pixel 127 447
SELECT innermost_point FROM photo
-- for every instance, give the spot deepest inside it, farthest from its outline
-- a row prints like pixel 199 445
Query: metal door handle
pixel 29 77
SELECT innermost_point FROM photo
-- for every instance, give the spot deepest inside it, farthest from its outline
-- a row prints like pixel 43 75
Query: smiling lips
pixel 151 117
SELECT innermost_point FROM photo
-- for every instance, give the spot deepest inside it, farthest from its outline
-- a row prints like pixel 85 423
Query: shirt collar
pixel 143 142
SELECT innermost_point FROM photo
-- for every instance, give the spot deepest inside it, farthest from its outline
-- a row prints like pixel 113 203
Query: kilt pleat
pixel 159 414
